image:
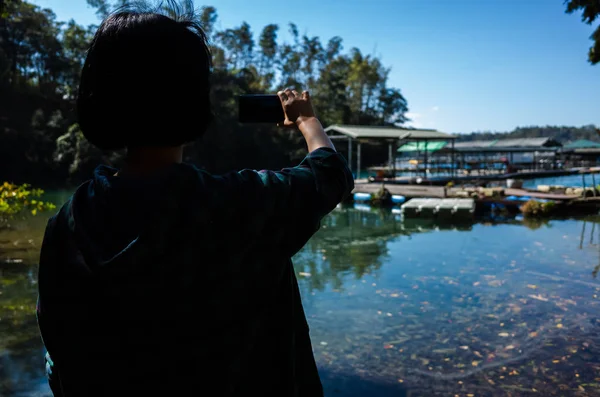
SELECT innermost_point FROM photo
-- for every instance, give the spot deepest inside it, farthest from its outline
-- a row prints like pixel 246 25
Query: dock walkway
pixel 539 195
pixel 426 191
pixel 408 191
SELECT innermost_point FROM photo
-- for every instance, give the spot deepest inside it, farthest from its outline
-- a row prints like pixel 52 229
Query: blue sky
pixel 463 65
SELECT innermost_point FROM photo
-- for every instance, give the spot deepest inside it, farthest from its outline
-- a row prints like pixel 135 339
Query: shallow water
pixel 402 308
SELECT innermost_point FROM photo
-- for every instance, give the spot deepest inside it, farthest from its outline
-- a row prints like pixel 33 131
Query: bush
pixel 17 199
pixel 382 197
pixel 534 208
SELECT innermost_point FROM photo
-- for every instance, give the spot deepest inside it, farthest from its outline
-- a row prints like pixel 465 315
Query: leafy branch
pixel 17 199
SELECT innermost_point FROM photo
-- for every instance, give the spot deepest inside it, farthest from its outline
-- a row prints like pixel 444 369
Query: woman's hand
pixel 297 108
pixel 299 113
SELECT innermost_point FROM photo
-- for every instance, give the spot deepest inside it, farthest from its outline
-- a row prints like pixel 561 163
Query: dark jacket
pixel 182 284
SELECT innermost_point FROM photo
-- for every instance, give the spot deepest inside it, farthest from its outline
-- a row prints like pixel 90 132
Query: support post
pixel 390 154
pixel 350 153
pixel 394 159
pixel 485 164
pixel 425 161
pixel 358 160
pixel 453 161
pixel 417 172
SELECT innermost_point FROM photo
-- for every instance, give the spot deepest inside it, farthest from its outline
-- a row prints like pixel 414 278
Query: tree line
pixel 41 58
pixel 563 134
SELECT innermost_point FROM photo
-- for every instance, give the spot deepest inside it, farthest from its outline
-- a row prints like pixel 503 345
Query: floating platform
pixel 483 178
pixel 365 191
pixel 442 208
pixel 397 199
pixel 360 197
pixel 493 199
pixel 540 195
pixel 407 191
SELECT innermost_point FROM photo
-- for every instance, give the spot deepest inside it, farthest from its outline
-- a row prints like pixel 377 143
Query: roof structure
pixel 432 135
pixel 582 144
pixel 421 146
pixel 527 142
pixel 375 132
pixel 507 145
pixel 474 144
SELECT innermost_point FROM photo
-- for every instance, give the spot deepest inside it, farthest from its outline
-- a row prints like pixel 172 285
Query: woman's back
pixel 183 281
pixel 158 278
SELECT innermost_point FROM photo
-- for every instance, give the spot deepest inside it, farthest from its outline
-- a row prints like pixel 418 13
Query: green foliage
pixel 17 199
pixel 590 11
pixel 102 7
pixel 38 71
pixel 79 157
pixel 382 197
pixel 534 208
pixel 41 59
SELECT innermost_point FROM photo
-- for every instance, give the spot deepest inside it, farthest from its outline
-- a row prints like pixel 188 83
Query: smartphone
pixel 260 108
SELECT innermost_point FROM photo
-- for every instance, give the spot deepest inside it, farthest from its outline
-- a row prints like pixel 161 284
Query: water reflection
pixel 21 350
pixel 398 307
pixel 485 309
pixel 355 242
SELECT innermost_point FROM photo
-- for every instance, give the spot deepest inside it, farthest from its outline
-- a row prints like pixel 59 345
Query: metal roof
pixel 430 146
pixel 503 149
pixel 582 144
pixel 507 145
pixel 375 132
pixel 474 144
pixel 427 135
pixel 527 142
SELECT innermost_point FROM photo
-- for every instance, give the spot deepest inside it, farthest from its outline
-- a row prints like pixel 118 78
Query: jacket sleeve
pixel 288 205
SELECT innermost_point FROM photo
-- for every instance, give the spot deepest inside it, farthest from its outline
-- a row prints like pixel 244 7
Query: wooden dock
pixel 408 191
pixel 478 178
pixel 539 195
pixel 427 191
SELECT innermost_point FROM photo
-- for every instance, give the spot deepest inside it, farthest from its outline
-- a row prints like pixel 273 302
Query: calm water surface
pixel 501 308
pixel 569 180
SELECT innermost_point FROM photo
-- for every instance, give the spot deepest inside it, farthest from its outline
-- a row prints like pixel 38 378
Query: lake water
pixel 496 308
pixel 570 180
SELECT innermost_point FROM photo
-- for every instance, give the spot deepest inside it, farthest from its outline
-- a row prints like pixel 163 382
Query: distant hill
pixel 560 133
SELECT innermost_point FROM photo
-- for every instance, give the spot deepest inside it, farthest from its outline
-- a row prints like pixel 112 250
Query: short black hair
pixel 146 78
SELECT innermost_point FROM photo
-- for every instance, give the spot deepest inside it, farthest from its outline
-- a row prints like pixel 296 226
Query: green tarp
pixel 421 146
